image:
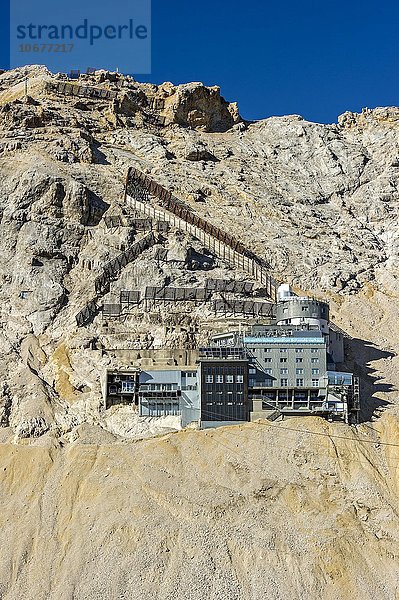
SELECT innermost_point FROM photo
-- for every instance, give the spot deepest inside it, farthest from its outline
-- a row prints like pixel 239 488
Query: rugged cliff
pixel 248 512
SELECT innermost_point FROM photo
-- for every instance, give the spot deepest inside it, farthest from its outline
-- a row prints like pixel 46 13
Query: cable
pixel 330 435
pixel 392 462
pixel 307 431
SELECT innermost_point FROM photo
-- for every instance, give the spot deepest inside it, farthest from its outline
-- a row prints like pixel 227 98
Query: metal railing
pixel 111 271
pixel 140 189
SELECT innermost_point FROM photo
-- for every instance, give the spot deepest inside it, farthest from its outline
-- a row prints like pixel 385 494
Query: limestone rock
pixel 318 202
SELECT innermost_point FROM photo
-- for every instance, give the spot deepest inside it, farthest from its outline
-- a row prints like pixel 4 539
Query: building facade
pixel 287 367
pixel 121 387
pixel 223 376
pixel 169 392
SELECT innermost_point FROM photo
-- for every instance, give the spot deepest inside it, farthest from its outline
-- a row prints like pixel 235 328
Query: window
pixel 209 379
pixel 229 378
pixel 305 308
pixel 268 382
pixel 24 295
pixel 314 360
pixel 269 371
pixel 240 379
pixel 267 360
pixel 299 371
pixel 283 360
pixel 315 383
pixel 299 360
pixel 315 371
pixel 283 371
pixel 283 382
pixel 128 386
pixel 267 349
pixel 299 383
pixel 283 349
pixel 252 371
pixel 314 350
pixel 298 350
pixel 219 378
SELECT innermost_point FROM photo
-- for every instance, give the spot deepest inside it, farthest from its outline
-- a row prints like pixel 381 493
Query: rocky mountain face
pixel 320 204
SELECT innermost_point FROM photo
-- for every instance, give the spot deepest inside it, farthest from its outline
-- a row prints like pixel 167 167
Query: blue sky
pixel 314 58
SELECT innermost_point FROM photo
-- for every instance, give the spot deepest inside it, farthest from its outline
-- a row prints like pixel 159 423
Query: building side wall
pixel 222 400
pixel 336 346
pixel 287 364
pixel 178 393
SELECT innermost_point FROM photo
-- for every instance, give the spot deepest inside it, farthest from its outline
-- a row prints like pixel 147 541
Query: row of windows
pixel 158 387
pixel 213 393
pixel 298 383
pixel 297 371
pixel 283 350
pixel 223 370
pixel 224 403
pixel 127 387
pixel 224 379
pixel 298 360
pixel 160 409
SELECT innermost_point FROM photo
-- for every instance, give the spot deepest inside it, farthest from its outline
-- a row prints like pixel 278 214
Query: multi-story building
pixel 287 367
pixel 121 387
pixel 169 392
pixel 223 377
pixel 305 311
pixel 292 362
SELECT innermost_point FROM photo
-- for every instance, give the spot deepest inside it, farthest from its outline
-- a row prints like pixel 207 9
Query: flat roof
pixel 284 340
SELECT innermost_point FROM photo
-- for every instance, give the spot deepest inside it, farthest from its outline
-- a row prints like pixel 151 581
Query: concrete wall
pixel 213 424
pixel 336 346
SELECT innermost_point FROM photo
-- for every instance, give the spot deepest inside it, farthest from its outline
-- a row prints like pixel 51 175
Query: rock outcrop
pixel 237 513
pixel 318 202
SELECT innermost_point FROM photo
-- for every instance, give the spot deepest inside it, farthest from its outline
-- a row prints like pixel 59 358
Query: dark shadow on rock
pixel 99 156
pixel 359 356
pixel 97 209
pixel 200 261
